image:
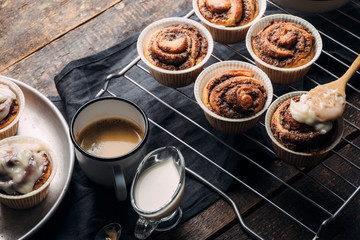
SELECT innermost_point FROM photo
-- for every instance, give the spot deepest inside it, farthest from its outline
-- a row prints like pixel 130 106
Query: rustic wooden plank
pixel 197 228
pixel 107 29
pixel 272 224
pixel 235 232
pixel 345 168
pixel 27 26
pixel 268 224
pixel 220 215
pixel 339 229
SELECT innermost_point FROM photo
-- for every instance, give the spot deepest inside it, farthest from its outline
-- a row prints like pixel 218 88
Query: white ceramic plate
pixel 41 119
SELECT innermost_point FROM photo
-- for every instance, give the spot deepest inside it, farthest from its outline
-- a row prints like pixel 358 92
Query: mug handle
pixel 120 185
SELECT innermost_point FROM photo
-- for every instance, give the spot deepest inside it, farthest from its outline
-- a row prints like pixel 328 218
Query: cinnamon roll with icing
pixel 176 47
pixel 284 44
pixel 9 106
pixel 234 94
pixel 229 13
pixel 24 167
pixel 298 136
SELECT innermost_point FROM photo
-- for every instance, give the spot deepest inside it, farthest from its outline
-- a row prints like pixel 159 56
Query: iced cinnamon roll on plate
pixel 233 95
pixel 26 170
pixel 229 20
pixel 284 47
pixel 12 103
pixel 175 50
pixel 295 141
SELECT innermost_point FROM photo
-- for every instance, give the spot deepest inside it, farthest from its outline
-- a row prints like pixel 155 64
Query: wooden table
pixel 38 38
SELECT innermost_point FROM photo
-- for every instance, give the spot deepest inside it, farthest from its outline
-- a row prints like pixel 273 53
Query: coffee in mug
pixel 110 137
pixel 123 124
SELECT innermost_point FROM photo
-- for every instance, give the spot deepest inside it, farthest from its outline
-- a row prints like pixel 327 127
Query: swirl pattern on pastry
pixel 176 47
pixel 235 94
pixel 9 106
pixel 295 135
pixel 229 13
pixel 284 44
pixel 23 168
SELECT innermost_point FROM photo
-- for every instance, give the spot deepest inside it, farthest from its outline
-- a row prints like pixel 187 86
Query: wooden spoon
pixel 327 101
pixel 340 84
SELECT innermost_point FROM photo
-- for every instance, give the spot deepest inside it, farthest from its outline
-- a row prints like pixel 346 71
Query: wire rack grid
pixel 331 66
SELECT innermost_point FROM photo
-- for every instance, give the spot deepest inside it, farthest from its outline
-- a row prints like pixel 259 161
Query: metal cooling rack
pixel 330 215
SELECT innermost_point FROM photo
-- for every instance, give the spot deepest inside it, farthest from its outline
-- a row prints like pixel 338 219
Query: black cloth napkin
pixel 87 207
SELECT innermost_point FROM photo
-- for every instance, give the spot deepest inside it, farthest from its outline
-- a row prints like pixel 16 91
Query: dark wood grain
pixel 86 32
pixel 28 26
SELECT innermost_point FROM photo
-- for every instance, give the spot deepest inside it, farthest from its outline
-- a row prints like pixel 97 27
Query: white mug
pixel 117 171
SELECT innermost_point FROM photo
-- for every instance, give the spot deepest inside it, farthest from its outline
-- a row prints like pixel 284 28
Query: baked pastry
pixel 244 82
pixel 176 47
pixel 10 98
pixel 12 103
pixel 284 44
pixel 229 13
pixel 296 136
pixel 26 167
pixel 9 106
pixel 234 94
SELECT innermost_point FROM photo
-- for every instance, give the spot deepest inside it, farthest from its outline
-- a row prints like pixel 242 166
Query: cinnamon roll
pixel 9 106
pixel 229 13
pixel 298 136
pixel 176 47
pixel 234 94
pixel 284 44
pixel 24 167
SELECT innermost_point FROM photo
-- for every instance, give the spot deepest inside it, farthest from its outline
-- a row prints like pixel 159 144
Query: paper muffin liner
pixel 276 74
pixel 224 34
pixel 229 125
pixel 35 197
pixel 300 159
pixel 11 129
pixel 171 78
pixel 27 202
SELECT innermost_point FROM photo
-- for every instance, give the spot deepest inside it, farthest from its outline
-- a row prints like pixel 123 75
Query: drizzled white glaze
pixel 6 92
pixel 15 159
pixel 6 98
pixel 318 108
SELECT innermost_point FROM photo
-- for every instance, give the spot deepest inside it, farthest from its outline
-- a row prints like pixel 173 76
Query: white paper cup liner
pixel 171 78
pixel 11 129
pixel 32 198
pixel 300 159
pixel 224 124
pixel 276 74
pixel 224 34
